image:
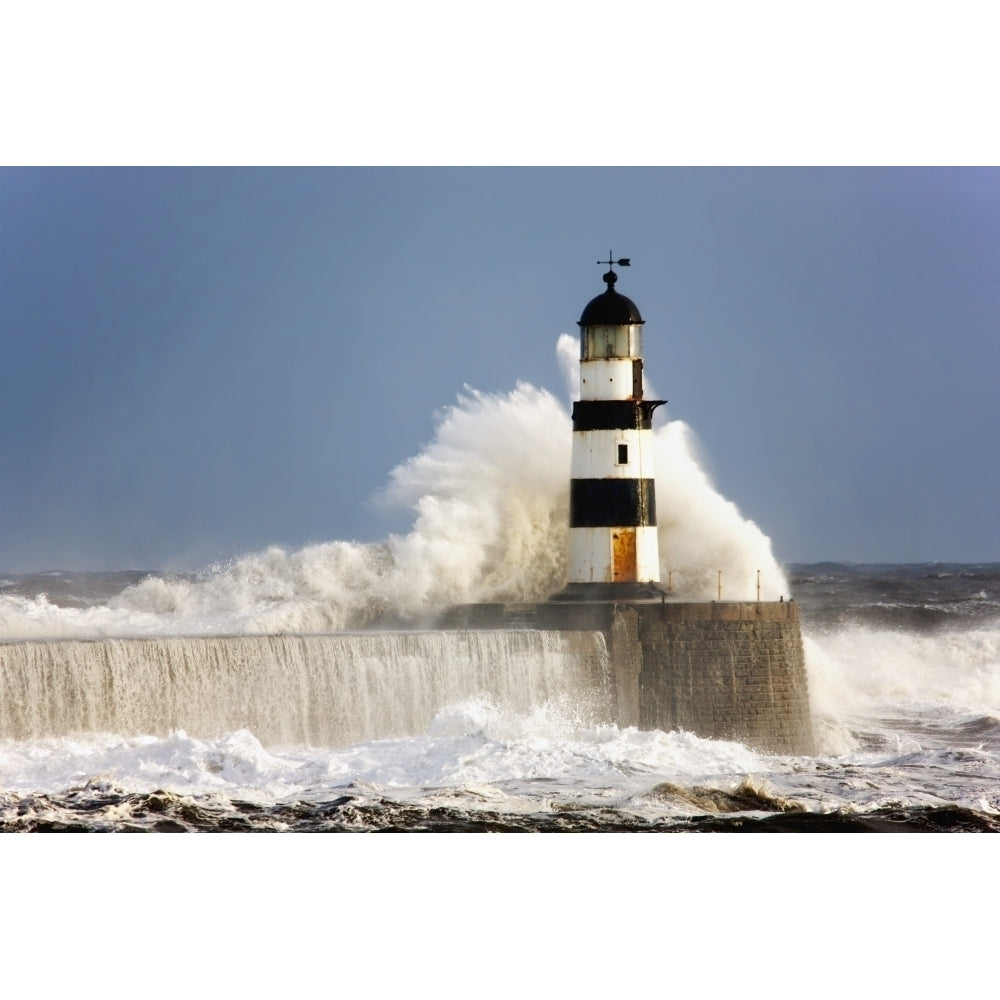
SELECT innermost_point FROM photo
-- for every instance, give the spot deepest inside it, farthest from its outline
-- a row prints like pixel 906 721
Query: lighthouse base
pixel 584 592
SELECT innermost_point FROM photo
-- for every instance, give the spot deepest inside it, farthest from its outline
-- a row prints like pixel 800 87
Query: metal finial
pixel 610 277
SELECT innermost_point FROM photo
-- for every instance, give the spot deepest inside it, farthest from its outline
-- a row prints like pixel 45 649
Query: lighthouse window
pixel 635 341
pixel 623 454
pixel 605 342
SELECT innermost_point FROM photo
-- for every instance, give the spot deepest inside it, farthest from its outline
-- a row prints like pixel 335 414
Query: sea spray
pixel 705 543
pixel 489 498
pixel 857 670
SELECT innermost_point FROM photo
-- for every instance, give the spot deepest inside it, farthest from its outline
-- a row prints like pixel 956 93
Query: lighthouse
pixel 726 669
pixel 613 547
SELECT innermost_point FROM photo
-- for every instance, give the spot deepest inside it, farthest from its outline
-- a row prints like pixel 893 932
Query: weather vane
pixel 621 262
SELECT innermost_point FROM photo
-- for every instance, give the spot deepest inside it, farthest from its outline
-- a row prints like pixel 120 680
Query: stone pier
pixel 722 670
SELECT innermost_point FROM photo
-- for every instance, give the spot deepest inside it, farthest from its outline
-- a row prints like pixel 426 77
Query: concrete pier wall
pixel 722 670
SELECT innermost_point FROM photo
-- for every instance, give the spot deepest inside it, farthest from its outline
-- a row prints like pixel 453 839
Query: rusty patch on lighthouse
pixel 623 558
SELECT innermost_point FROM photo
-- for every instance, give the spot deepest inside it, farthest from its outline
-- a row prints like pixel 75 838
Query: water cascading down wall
pixel 321 690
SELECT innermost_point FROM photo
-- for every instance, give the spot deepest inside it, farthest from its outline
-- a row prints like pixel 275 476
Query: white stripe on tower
pixel 613 547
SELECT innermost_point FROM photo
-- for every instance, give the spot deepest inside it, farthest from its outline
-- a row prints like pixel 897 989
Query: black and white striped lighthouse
pixel 613 548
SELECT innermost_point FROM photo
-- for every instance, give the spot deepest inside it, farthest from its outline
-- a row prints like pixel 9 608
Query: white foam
pixel 472 745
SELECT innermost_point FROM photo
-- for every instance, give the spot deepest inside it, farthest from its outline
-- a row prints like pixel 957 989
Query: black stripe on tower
pixel 614 414
pixel 612 503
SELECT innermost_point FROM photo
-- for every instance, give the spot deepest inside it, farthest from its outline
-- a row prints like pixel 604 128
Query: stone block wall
pixel 725 671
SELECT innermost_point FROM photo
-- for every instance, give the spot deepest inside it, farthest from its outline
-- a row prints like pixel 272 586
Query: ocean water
pixel 305 690
pixel 498 731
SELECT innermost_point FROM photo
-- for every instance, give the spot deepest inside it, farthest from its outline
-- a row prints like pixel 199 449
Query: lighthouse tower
pixel 613 549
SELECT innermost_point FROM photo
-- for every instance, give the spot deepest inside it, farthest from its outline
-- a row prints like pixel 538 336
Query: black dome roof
pixel 610 308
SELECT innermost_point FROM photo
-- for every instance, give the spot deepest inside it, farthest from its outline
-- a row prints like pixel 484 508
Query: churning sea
pixel 903 664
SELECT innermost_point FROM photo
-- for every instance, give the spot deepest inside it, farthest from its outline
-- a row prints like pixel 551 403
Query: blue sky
pixel 196 363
